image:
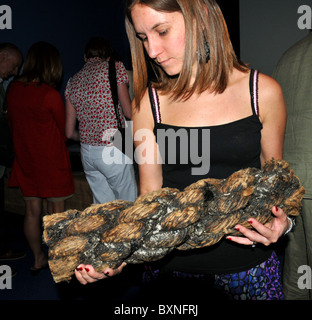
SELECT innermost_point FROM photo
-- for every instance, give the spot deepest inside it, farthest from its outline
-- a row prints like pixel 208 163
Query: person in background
pixel 11 60
pixel 293 72
pixel 41 168
pixel 89 99
pixel 200 84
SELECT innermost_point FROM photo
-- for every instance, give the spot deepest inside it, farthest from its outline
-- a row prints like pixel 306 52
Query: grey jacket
pixel 294 73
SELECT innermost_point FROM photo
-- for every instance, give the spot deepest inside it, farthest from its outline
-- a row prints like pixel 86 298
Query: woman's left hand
pixel 87 274
pixel 265 234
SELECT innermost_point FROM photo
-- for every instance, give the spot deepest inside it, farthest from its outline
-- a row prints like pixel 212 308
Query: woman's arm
pixel 70 124
pixel 273 117
pixel 150 177
pixel 146 149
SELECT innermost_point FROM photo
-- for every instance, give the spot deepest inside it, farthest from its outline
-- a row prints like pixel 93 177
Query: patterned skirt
pixel 263 282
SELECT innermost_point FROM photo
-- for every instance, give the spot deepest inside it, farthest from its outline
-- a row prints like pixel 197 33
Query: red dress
pixel 37 118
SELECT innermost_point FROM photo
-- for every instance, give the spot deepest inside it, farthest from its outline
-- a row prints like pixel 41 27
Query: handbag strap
pixel 113 85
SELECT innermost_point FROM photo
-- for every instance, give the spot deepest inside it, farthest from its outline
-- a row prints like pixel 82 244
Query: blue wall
pixel 67 24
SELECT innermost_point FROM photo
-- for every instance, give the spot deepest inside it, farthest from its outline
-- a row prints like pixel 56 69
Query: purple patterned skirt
pixel 263 282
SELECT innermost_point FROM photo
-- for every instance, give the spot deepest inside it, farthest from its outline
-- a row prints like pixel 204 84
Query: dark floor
pixel 42 286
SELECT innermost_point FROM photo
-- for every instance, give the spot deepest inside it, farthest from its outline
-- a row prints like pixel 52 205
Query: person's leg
pixel 6 253
pixel 120 175
pixel 32 230
pixel 97 181
pixel 55 206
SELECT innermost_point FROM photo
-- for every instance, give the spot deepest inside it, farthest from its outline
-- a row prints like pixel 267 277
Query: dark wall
pixel 68 24
pixel 230 9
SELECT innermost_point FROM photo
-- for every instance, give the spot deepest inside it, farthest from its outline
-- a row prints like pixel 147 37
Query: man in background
pixel 294 73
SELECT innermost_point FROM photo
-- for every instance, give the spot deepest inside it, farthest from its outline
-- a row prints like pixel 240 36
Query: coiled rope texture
pixel 107 234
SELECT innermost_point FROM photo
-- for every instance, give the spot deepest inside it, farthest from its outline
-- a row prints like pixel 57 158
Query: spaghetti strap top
pixel 193 153
pixel 253 86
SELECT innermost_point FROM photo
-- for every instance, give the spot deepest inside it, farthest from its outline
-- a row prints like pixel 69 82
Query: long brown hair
pixel 43 64
pixel 209 26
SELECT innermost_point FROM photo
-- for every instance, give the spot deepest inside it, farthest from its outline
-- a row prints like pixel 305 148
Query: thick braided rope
pixel 105 235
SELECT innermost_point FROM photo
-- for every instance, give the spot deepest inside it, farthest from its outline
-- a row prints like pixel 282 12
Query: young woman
pixel 199 84
pixel 41 167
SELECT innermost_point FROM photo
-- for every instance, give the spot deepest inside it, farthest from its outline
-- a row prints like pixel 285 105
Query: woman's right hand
pixel 86 274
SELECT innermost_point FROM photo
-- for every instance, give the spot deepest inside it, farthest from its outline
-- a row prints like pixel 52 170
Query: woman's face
pixel 163 36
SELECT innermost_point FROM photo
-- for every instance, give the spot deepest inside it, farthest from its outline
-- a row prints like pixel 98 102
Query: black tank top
pixel 191 154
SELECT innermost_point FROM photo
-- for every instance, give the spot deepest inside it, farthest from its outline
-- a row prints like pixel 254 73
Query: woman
pixel 200 84
pixel 89 98
pixel 41 168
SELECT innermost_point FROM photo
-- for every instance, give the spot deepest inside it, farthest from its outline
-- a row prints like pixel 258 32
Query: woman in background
pixel 41 168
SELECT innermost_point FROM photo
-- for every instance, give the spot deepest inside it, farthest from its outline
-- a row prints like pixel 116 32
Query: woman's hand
pixel 86 273
pixel 265 234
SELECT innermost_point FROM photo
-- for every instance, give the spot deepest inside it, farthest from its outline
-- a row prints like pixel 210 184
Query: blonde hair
pixel 210 26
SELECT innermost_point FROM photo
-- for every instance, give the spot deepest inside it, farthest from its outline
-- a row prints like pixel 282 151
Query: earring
pixel 207 50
